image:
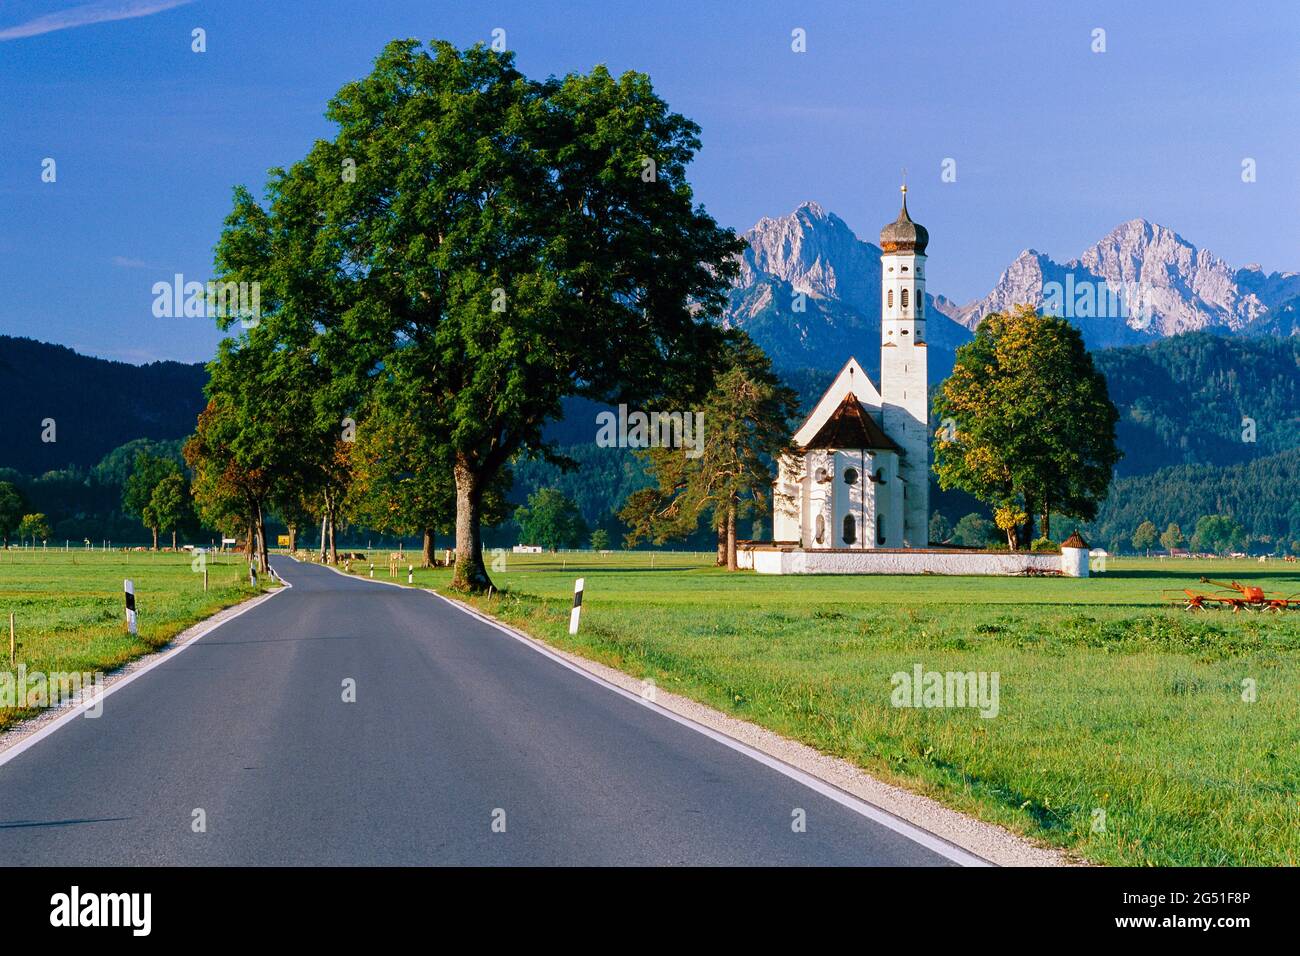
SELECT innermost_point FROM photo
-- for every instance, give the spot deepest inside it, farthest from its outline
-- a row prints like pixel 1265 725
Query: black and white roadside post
pixel 129 587
pixel 372 569
pixel 577 606
pixel 252 574
pixel 410 574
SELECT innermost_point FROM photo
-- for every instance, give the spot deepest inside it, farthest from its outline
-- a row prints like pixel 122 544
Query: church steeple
pixel 903 235
pixel 904 366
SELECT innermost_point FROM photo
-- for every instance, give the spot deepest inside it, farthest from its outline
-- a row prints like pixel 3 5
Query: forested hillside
pixel 94 405
pixel 1183 400
pixel 1260 496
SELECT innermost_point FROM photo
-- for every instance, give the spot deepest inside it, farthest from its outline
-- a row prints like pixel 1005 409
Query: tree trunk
pixel 1029 520
pixel 1047 518
pixel 470 574
pixel 427 559
pixel 324 519
pixel 173 539
pixel 263 556
pixel 155 538
pixel 251 541
pixel 334 551
pixel 722 545
pixel 731 537
pixel 293 538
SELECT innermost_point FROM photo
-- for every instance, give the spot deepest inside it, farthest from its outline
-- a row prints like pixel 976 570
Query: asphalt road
pixel 456 725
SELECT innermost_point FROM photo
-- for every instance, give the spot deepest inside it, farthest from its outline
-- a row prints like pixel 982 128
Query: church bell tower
pixel 904 375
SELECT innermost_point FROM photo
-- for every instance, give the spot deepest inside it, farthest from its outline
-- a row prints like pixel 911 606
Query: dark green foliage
pixel 1261 496
pixel 11 510
pixel 96 404
pixel 550 519
pixel 1182 400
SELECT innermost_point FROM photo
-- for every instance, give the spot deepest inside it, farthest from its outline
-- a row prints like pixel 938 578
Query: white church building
pixel 853 495
pixel 860 474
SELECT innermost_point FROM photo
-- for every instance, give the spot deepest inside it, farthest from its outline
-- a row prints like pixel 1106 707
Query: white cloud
pixel 126 262
pixel 87 14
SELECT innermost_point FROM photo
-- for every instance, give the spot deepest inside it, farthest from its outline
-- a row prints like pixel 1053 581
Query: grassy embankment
pixel 69 612
pixel 1109 699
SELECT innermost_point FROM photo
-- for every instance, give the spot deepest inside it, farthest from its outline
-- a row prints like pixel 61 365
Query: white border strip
pixel 96 699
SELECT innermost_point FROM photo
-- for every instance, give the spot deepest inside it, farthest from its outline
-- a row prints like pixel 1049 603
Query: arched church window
pixel 889 296
pixel 820 533
pixel 880 476
pixel 850 529
pixel 905 298
pixel 850 476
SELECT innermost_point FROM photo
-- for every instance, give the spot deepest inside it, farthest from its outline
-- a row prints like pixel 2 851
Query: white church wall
pixel 900 561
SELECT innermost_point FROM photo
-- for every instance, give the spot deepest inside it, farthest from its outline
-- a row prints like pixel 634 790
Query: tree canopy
pixel 1025 418
pixel 486 245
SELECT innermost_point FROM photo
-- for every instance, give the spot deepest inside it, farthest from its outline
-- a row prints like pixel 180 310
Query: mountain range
pixel 809 292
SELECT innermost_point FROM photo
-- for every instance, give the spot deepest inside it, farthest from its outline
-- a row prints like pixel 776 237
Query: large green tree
pixel 1218 533
pixel 34 526
pixel 550 519
pixel 147 473
pixel 1172 538
pixel 1025 418
pixel 1145 537
pixel 402 475
pixel 745 421
pixel 170 503
pixel 495 244
pixel 11 510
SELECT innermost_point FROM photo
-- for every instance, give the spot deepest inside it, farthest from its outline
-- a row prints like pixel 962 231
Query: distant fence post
pixel 577 605
pixel 11 639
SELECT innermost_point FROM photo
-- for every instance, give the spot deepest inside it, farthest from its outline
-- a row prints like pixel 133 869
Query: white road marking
pixel 83 704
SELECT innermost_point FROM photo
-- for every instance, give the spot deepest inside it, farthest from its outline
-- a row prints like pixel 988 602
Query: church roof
pixel 851 426
pixel 903 235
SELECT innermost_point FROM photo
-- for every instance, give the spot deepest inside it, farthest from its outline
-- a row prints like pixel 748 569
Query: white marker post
pixel 372 569
pixel 252 575
pixel 129 588
pixel 577 606
pixel 410 574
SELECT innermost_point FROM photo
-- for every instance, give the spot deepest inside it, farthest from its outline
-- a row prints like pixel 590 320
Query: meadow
pixel 1128 730
pixel 69 611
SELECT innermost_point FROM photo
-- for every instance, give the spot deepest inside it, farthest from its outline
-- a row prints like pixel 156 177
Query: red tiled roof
pixel 851 426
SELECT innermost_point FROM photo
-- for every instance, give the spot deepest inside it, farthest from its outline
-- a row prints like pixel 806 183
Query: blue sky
pixel 1054 144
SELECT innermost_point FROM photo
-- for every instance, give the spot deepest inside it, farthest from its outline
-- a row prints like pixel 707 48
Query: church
pixel 859 473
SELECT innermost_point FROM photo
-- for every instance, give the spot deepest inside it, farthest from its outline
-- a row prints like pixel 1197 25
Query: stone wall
pixel 770 559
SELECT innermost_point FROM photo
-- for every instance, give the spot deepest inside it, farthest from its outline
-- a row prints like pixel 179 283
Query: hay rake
pixel 1238 597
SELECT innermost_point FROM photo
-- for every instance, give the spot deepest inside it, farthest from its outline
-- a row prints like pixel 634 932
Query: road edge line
pixel 931 841
pixel 175 646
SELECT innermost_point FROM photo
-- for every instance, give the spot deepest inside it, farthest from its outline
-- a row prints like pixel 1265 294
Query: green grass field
pixel 69 614
pixel 1110 700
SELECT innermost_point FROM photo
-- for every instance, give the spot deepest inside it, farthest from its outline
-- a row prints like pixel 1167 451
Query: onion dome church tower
pixel 904 371
pixel 858 473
